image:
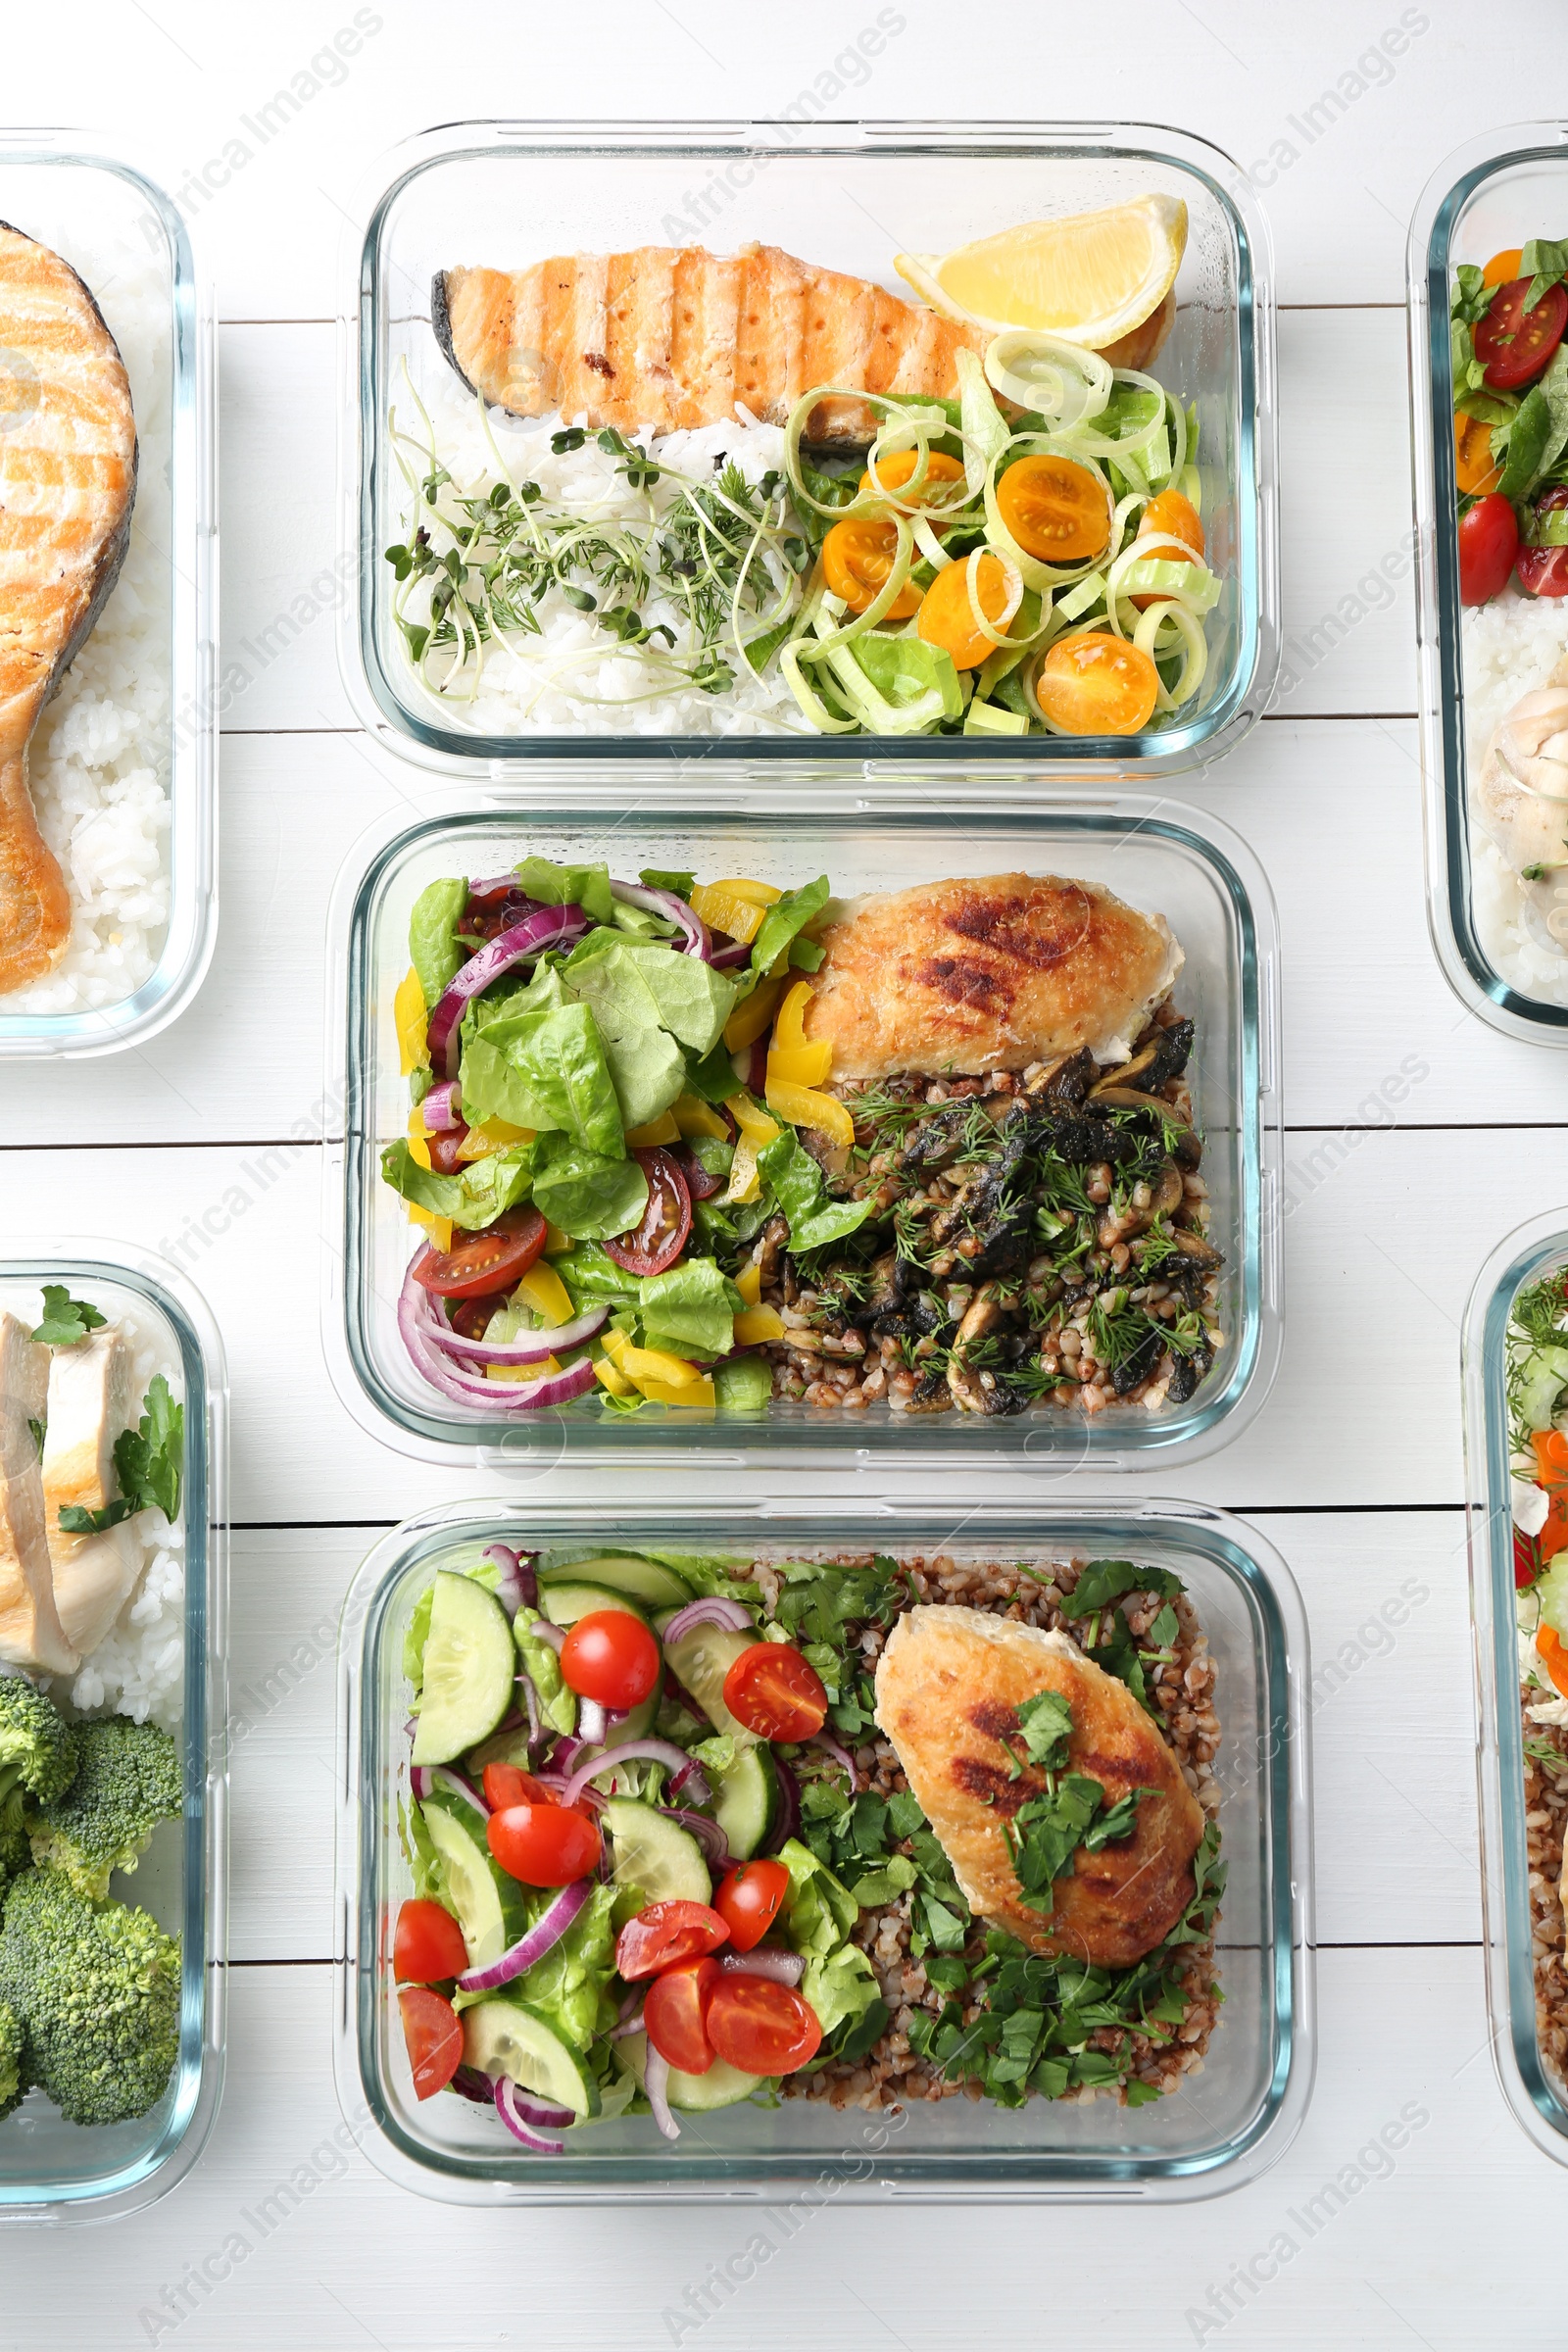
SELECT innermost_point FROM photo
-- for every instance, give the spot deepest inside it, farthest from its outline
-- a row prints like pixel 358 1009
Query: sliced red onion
pixel 528 1347
pixel 724 959
pixel 652 1751
pixel 714 1610
pixel 442 1108
pixel 789 1808
pixel 628 2024
pixel 540 1939
pixel 469 2083
pixel 507 2107
pixel 517 1568
pixel 656 2082
pixel 766 1960
pixel 708 1834
pixel 697 938
pixel 568 1749
pixel 840 1755
pixel 536 2111
pixel 503 1397
pixel 690 1783
pixel 531 1700
pixel 442 1775
pixel 546 1630
pixel 548 927
pixel 592 1721
pixel 419 1780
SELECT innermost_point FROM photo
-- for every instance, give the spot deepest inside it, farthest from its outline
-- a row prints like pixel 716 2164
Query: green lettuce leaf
pixel 797 1185
pixel 691 1309
pixel 584 886
pixel 712 1079
pixel 584 1191
pixel 569 1985
pixel 819 1910
pixel 557 1704
pixel 744 1385
pixel 841 1986
pixel 435 951
pixel 911 676
pixel 591 1274
pixel 637 984
pixel 478 1195
pixel 786 917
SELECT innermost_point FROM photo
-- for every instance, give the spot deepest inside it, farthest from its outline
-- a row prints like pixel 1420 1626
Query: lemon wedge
pixel 1090 278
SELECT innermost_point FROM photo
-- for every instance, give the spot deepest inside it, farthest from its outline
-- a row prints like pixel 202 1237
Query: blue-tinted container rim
pixel 1252 684
pixel 199 2076
pixel 1280 1632
pixel 1252 1357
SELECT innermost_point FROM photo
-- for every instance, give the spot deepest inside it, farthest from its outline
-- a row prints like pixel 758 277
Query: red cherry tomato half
pixel 444 1145
pixel 491 1260
pixel 659 1238
pixel 544 1846
pixel 611 1656
pixel 674 2012
pixel 748 1900
pixel 472 1316
pixel 762 2028
pixel 664 1935
pixel 1544 570
pixel 435 2037
pixel 428 1945
pixel 1514 344
pixel 1489 541
pixel 699 1183
pixel 1526 1563
pixel 507 1785
pixel 493 908
pixel 776 1694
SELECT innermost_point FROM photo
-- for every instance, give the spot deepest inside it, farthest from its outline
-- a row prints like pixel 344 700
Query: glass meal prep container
pixel 1492 194
pixel 1539 2101
pixel 133 247
pixel 1252 2090
pixel 52 2170
pixel 840 195
pixel 1182 865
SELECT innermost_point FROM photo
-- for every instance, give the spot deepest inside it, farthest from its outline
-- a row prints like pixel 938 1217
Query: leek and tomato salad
pixel 607 1078
pixel 1510 422
pixel 1537 1417
pixel 1028 558
pixel 613 1911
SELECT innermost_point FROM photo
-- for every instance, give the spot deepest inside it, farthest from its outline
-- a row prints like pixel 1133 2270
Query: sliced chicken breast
pixel 30 1632
pixel 93 1581
pixel 89 1404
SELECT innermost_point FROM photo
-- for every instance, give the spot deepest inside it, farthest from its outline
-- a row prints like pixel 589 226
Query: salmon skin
pixel 67 483
pixel 671 335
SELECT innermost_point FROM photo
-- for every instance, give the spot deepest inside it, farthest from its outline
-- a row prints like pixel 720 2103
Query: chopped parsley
pixel 66 1320
pixel 148 1462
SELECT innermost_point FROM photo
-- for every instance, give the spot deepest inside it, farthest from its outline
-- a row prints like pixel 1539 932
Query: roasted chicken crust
pixel 949 1686
pixel 990 974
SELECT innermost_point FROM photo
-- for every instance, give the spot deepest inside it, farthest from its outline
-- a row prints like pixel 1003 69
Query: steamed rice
pixel 521 689
pixel 99 762
pixel 1510 647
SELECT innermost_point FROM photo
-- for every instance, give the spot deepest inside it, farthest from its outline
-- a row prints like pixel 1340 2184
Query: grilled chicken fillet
pixel 671 335
pixel 949 1686
pixel 991 974
pixel 67 481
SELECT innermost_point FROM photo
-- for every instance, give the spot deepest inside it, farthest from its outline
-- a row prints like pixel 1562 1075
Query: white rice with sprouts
pixel 1510 647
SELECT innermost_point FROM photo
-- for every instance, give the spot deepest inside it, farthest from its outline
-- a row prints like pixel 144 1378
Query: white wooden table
pixel 1356 1463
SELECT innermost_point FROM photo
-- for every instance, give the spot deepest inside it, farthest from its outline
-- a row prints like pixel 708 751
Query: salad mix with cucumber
pixel 651 1877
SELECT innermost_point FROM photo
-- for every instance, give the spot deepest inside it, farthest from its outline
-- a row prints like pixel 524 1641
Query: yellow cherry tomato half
pixel 895 471
pixel 857 559
pixel 947 616
pixel 1503 268
pixel 1475 468
pixel 1055 509
pixel 1172 517
pixel 1096 684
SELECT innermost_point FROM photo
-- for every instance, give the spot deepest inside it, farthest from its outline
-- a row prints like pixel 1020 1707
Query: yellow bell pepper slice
pixel 694 1392
pixel 755 894
pixel 757 1324
pixel 520 1374
pixel 438 1228
pixel 753 1014
pixel 792 1060
pixel 663 1130
pixel 752 1120
pixel 748 1283
pixel 557 1242
pixel 723 909
pixel 803 1106
pixel 543 1289
pixel 409 1012
pixel 693 1116
pixel 615 1380
pixel 492 1136
pixel 744 1182
pixel 647 1363
pixel 789 1029
pixel 418 1138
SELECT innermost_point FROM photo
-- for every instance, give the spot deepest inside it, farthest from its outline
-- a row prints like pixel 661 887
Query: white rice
pixel 99 760
pixel 1510 647
pixel 138 1669
pixel 521 689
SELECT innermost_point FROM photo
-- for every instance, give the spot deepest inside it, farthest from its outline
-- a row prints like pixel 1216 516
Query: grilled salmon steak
pixel 68 482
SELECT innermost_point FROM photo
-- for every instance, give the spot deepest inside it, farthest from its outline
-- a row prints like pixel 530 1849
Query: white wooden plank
pixel 1391 1719
pixel 340 2258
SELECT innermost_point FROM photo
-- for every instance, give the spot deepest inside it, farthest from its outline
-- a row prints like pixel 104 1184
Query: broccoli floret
pixel 37 1760
pixel 14 2070
pixel 128 1781
pixel 97 1989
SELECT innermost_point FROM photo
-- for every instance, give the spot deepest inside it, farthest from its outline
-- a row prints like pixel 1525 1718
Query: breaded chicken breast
pixel 949 1686
pixel 971 976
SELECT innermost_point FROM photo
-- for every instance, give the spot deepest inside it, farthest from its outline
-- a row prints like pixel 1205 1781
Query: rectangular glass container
pixel 846 196
pixel 1493 193
pixel 1256 2078
pixel 52 2170
pixel 1175 862
pixel 82 200
pixel 1537 2101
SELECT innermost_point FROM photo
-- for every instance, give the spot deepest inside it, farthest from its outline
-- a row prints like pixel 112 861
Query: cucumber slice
pixel 571 1597
pixel 469 1670
pixel 655 1854
pixel 644 1581
pixel 511 2039
pixel 745 1799
pixel 701 1659
pixel 505 1748
pixel 491 1908
pixel 723 2084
